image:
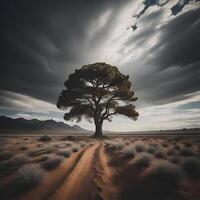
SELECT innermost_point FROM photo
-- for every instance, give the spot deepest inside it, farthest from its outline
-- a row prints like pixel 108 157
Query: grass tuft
pixel 167 173
pixel 44 138
pixel 191 166
pixel 144 160
pixel 160 154
pixel 5 155
pixel 128 151
pixel 140 148
pixel 27 177
pixel 186 152
pixel 53 162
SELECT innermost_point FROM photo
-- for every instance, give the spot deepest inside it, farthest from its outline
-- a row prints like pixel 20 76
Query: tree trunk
pixel 98 132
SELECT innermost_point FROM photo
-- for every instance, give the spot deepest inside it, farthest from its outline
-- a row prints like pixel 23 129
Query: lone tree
pixel 97 91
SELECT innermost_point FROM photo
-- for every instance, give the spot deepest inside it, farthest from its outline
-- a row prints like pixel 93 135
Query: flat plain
pixel 122 167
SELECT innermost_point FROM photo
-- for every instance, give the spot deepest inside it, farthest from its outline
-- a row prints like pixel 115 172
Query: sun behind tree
pixel 97 91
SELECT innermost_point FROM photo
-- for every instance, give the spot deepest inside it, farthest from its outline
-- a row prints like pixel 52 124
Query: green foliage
pixel 97 91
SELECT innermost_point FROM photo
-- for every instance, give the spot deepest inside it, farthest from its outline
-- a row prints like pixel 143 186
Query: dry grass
pixel 28 177
pixel 53 162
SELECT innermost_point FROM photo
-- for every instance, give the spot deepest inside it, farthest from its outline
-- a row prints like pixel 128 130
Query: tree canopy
pixel 97 91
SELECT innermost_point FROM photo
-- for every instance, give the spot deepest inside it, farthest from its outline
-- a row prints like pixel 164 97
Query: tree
pixel 97 91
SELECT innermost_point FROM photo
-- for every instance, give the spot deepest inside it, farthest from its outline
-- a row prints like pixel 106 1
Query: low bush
pixel 14 162
pixel 171 151
pixel 23 148
pixel 70 138
pixel 5 155
pixel 191 166
pixel 160 154
pixel 27 177
pixel 128 151
pixel 52 162
pixel 177 147
pixel 175 159
pixel 186 152
pixel 41 158
pixel 139 148
pixel 187 144
pixel 20 159
pixel 144 160
pixel 44 138
pixel 165 145
pixel 65 152
pixel 36 152
pixel 151 149
pixel 166 173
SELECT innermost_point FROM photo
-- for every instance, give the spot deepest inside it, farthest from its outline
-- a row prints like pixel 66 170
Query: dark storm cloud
pixel 178 53
pixel 180 39
pixel 149 3
pixel 41 40
pixel 174 9
pixel 173 64
pixel 180 5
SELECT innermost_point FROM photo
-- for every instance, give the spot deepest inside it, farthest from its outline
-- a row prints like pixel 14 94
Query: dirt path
pixel 78 185
pixel 107 173
pixel 84 176
pixel 54 179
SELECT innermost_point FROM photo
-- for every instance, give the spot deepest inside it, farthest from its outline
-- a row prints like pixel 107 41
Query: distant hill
pixel 184 131
pixel 20 124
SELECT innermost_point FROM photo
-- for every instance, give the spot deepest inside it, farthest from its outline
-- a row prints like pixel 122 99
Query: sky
pixel 156 42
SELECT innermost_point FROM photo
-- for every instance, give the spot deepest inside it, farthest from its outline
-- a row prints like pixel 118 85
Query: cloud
pixel 167 65
pixel 43 42
pixel 11 100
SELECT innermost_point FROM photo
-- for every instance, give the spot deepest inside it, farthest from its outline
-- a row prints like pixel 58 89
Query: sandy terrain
pixel 119 168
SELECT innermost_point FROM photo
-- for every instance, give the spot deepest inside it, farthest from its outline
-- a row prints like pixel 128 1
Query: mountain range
pixel 20 124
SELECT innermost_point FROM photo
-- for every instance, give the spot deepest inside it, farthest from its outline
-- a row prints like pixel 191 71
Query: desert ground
pixel 116 168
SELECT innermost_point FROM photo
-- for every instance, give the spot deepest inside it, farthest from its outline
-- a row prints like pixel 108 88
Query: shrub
pixel 5 165
pixel 42 158
pixel 128 151
pixel 118 145
pixel 44 138
pixel 35 152
pixel 177 147
pixel 166 173
pixel 153 145
pixel 20 159
pixel 160 154
pixel 75 148
pixel 171 151
pixel 69 144
pixel 139 148
pixel 65 152
pixel 187 144
pixel 165 144
pixel 151 149
pixel 27 177
pixel 23 147
pixel 82 144
pixel 5 155
pixel 175 159
pixel 144 160
pixel 52 162
pixel 192 167
pixel 49 148
pixel 13 163
pixel 70 138
pixel 186 152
